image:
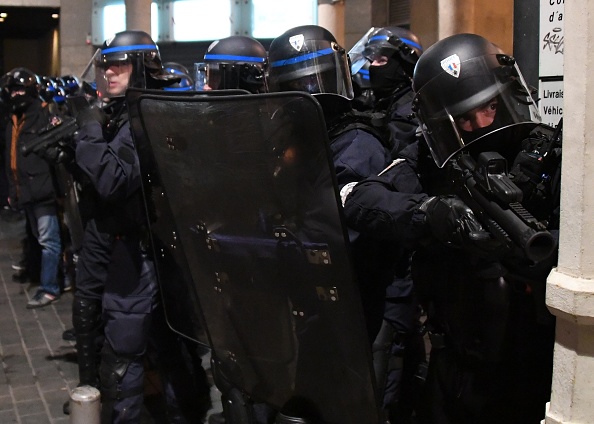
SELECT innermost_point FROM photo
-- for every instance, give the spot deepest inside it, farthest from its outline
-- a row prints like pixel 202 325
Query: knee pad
pixel 112 372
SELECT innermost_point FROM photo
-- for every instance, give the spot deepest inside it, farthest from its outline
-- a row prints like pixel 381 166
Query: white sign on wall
pixel 551 38
pixel 551 102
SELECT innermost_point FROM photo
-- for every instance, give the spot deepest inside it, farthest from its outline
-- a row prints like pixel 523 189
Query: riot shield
pixel 178 296
pixel 254 225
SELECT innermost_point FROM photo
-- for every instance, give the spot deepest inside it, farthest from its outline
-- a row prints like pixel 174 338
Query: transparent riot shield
pixel 248 214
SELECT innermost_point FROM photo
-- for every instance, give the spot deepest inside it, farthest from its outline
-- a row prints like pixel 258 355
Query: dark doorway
pixel 29 38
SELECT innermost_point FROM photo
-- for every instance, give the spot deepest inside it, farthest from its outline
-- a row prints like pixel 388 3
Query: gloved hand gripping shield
pixel 490 85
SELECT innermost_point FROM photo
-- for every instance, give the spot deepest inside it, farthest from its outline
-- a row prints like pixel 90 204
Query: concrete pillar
pixel 75 36
pixel 138 15
pixel 570 287
pixel 331 17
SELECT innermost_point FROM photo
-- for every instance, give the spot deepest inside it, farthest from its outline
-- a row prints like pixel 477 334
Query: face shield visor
pixel 112 71
pixel 478 104
pixel 246 73
pixel 318 67
pixel 356 54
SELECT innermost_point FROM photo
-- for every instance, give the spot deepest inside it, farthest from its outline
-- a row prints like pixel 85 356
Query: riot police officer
pixel 236 62
pixel 309 59
pixel 186 82
pixel 392 53
pixel 491 334
pixel 121 290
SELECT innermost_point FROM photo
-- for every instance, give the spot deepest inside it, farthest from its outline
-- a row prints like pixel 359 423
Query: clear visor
pixel 319 67
pixel 479 104
pixel 356 54
pixel 112 74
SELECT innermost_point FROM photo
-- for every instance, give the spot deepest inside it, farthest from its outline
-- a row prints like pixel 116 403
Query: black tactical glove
pixel 91 114
pixel 452 221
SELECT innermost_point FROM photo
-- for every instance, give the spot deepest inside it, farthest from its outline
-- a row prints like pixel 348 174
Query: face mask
pixel 386 76
pixel 20 102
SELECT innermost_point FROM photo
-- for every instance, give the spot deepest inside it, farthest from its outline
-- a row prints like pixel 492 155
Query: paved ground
pixel 38 367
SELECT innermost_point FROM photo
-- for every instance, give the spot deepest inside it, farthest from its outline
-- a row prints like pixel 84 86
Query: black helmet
pixel 71 84
pixel 21 79
pixel 460 75
pixel 47 89
pixel 308 58
pixel 236 62
pixel 60 96
pixel 133 48
pixel 402 50
pixel 396 42
pixel 186 82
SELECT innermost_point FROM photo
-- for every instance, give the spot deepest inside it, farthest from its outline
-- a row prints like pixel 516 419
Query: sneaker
pixel 41 299
pixel 18 267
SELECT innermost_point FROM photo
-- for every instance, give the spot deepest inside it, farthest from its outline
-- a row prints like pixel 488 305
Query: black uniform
pixel 491 334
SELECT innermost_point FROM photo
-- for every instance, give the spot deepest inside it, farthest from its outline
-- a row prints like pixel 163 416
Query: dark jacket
pixel 111 163
pixel 32 179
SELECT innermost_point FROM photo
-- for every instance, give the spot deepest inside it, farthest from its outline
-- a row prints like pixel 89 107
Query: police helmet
pixel 308 58
pixel 129 59
pixel 186 82
pixel 397 51
pixel 71 84
pixel 47 89
pixel 21 86
pixel 463 75
pixel 236 62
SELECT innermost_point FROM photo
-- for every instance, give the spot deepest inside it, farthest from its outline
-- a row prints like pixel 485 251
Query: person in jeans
pixel 31 178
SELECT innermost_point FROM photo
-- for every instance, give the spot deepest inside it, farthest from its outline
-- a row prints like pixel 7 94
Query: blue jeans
pixel 46 229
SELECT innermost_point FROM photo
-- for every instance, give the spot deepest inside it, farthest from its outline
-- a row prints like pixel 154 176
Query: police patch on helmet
pixel 296 41
pixel 451 65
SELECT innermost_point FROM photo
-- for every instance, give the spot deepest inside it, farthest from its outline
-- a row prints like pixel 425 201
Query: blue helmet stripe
pixel 379 37
pixel 302 58
pixel 129 48
pixel 178 88
pixel 363 72
pixel 412 43
pixel 233 57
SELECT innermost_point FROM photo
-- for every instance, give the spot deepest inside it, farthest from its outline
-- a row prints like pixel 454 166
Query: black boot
pixel 86 317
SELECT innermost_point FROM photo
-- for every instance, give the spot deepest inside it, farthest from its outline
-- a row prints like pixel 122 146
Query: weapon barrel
pixel 50 137
pixel 536 245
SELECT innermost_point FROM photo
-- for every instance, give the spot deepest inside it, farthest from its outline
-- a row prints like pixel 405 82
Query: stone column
pixel 138 15
pixel 331 17
pixel 570 287
pixel 75 36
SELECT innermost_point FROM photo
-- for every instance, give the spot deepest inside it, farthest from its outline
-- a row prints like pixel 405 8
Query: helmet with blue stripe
pixel 395 42
pixel 186 82
pixel 236 62
pixel 129 54
pixel 308 58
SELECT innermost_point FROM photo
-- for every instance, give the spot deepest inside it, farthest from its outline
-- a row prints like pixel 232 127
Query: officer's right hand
pixel 451 221
pixel 91 114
